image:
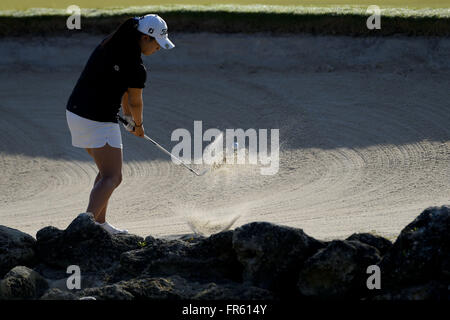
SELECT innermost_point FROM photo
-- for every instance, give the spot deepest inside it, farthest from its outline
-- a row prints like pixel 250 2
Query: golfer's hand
pixel 138 131
pixel 130 126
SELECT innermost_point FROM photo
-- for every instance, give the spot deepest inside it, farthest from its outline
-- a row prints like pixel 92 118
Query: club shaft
pixel 168 153
pixel 162 148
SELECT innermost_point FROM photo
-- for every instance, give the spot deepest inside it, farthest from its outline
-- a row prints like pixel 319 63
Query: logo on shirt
pixel 116 67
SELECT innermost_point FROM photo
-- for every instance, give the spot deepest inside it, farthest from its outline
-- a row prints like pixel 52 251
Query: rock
pixel 150 239
pixel 206 259
pixel 83 243
pixel 233 292
pixel 190 238
pixel 272 255
pixel 260 260
pixel 429 291
pixel 134 262
pixel 57 294
pixel 219 259
pixel 88 280
pixel 171 288
pixel 338 271
pixel 49 233
pixel 16 248
pixel 110 292
pixel 176 288
pixel 421 252
pixel 51 273
pixel 382 244
pixel 22 283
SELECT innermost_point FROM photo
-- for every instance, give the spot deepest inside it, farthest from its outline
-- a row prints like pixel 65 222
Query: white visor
pixel 165 43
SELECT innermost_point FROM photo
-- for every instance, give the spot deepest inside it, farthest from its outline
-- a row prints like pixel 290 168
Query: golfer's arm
pixel 135 104
pixel 125 106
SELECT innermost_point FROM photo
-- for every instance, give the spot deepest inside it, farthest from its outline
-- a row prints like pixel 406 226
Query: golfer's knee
pixel 113 180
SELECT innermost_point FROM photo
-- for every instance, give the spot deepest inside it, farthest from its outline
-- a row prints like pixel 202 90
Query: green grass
pixel 142 244
pixel 238 9
pixel 348 20
pixel 26 4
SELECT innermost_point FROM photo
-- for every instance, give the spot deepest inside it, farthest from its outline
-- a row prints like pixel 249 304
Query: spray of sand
pixel 208 221
pixel 215 219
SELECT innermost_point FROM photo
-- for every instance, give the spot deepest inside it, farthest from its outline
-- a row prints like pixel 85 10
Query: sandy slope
pixel 363 125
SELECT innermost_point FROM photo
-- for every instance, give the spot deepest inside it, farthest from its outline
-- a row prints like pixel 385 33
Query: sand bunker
pixel 364 133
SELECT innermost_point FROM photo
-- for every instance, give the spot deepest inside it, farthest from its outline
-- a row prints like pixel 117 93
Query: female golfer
pixel 114 76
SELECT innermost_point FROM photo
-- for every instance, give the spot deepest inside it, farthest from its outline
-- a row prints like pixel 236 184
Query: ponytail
pixel 126 35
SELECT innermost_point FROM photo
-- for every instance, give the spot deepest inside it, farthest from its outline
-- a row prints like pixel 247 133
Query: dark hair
pixel 125 36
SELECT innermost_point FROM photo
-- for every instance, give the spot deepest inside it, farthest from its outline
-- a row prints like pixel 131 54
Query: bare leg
pixel 109 163
pixel 100 218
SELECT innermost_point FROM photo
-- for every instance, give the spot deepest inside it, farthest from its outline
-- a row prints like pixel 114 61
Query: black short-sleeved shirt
pixel 105 78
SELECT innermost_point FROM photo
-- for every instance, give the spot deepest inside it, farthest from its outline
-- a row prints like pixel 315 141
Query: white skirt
pixel 93 134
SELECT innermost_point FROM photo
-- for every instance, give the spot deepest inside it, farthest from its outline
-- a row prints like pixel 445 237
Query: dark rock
pixel 51 273
pixel 134 262
pixel 57 278
pixel 82 228
pixel 149 239
pixel 233 292
pixel 22 283
pixel 207 259
pixel 190 238
pixel 421 252
pixel 48 233
pixel 272 255
pixel 218 256
pixel 176 288
pixel 110 292
pixel 88 280
pixel 338 271
pixel 382 244
pixel 57 294
pixel 259 261
pixel 16 248
pixel 429 291
pixel 83 243
pixel 157 288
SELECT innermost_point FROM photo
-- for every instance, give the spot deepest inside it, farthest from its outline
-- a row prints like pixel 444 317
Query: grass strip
pixel 343 20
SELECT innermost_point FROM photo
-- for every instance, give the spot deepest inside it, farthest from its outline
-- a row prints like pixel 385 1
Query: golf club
pixel 165 151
